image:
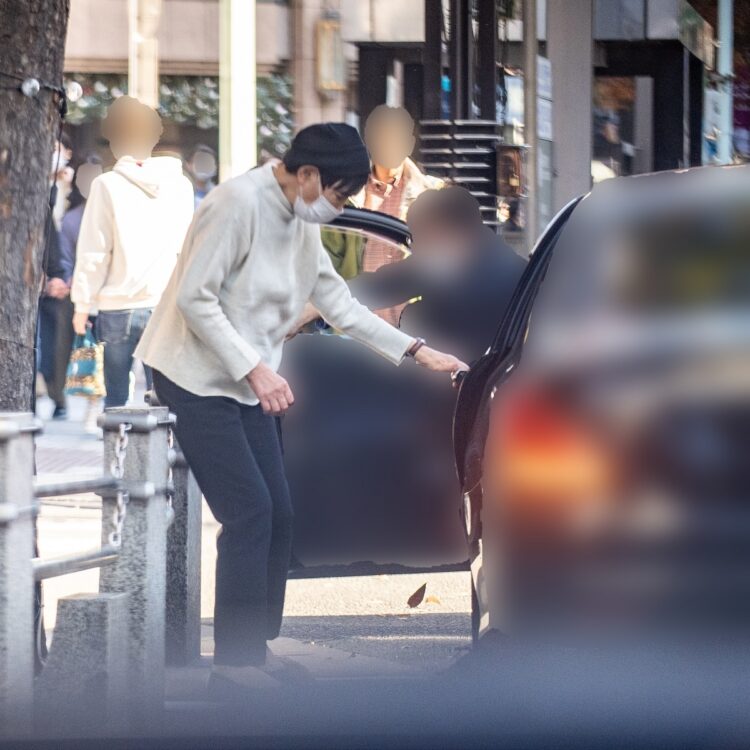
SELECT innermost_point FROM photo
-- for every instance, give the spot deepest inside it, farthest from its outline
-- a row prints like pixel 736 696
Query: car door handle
pixel 457 377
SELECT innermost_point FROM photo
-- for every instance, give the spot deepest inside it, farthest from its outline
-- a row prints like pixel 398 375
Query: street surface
pixel 362 616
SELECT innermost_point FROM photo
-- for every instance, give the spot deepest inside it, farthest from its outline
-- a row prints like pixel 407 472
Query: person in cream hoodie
pixel 132 230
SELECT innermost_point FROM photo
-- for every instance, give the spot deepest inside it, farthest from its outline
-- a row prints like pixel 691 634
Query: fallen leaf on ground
pixel 416 598
pixel 432 600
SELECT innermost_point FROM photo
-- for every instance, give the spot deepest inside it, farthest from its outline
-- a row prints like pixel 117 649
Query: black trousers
pixel 234 452
pixel 56 342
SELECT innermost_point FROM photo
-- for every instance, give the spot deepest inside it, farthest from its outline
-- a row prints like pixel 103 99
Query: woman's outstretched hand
pixel 272 390
pixel 438 361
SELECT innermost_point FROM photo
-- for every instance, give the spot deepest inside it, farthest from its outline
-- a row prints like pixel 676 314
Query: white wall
pixel 570 50
pixel 382 20
pixel 188 35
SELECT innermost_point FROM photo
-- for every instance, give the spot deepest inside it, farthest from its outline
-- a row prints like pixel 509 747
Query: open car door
pixel 368 446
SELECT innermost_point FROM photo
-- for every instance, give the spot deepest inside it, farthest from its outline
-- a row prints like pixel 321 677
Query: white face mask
pixel 58 164
pixel 320 211
pixel 203 174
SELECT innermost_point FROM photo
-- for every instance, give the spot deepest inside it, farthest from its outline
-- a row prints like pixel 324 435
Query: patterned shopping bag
pixel 85 376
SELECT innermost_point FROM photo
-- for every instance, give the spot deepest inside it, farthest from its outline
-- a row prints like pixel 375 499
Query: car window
pixel 652 281
pixel 685 263
pixel 353 250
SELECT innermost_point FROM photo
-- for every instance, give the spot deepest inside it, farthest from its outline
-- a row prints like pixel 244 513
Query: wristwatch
pixel 415 347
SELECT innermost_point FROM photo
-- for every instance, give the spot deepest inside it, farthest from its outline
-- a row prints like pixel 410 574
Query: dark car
pixel 602 441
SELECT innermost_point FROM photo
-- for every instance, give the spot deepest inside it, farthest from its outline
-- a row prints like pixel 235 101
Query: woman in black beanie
pixel 251 260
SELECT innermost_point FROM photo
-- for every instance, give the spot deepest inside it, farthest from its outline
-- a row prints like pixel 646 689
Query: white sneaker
pixel 93 410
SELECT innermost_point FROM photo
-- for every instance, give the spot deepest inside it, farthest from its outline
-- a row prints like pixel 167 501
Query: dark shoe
pixel 60 412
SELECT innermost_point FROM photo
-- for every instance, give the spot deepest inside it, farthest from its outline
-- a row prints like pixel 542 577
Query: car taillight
pixel 543 452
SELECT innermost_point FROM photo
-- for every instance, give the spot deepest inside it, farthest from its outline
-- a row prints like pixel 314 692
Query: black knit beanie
pixel 333 147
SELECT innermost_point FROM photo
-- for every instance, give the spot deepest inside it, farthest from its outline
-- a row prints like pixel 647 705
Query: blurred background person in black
pixel 53 312
pixel 458 280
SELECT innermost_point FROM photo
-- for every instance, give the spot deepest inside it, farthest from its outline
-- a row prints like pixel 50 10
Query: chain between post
pixel 117 469
pixel 170 476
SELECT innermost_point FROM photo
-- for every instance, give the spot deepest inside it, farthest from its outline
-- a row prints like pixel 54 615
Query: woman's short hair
pixel 336 151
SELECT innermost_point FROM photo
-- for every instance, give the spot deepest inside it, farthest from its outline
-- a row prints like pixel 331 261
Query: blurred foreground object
pixel 601 443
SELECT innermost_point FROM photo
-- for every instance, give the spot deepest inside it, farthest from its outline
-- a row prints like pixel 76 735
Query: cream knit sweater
pixel 247 268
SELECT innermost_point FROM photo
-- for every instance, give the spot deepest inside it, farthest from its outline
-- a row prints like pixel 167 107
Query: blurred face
pixel 132 145
pixel 390 140
pixel 132 128
pixel 440 248
pixel 203 165
pixel 87 173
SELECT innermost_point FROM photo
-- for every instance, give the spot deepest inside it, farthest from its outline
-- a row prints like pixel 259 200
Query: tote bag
pixel 85 376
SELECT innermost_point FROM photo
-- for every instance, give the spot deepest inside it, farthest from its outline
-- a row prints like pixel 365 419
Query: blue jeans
pixel 120 331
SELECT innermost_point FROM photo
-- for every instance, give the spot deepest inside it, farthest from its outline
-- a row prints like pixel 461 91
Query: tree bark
pixel 32 45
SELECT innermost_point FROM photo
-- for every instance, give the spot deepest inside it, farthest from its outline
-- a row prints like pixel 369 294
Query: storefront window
pixel 189 106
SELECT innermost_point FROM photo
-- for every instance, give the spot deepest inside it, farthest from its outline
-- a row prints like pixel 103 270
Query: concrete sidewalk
pixel 63 449
pixel 340 628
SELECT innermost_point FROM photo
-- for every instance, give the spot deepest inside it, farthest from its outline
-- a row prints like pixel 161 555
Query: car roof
pixel 659 191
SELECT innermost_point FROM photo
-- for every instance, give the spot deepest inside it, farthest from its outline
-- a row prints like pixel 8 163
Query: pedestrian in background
pixel 131 233
pixel 85 174
pixel 62 176
pixel 202 168
pixel 394 183
pixel 54 312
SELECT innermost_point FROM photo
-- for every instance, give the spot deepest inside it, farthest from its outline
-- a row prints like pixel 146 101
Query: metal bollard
pixel 83 686
pixel 184 567
pixel 16 574
pixel 140 570
pixel 183 561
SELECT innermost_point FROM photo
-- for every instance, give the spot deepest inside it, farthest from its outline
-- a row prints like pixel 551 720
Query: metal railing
pixel 108 649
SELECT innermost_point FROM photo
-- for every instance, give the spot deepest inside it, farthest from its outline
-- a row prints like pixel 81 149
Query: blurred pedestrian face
pixel 132 128
pixel 203 165
pixel 389 136
pixel 439 248
pixel 86 174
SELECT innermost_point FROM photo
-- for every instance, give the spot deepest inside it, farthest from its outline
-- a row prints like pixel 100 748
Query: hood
pixel 150 174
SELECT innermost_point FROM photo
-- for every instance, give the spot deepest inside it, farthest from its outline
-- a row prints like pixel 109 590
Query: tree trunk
pixel 32 45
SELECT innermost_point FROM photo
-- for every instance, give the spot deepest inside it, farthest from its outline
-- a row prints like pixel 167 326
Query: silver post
pixel 16 575
pixel 530 52
pixel 140 530
pixel 725 68
pixel 184 566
